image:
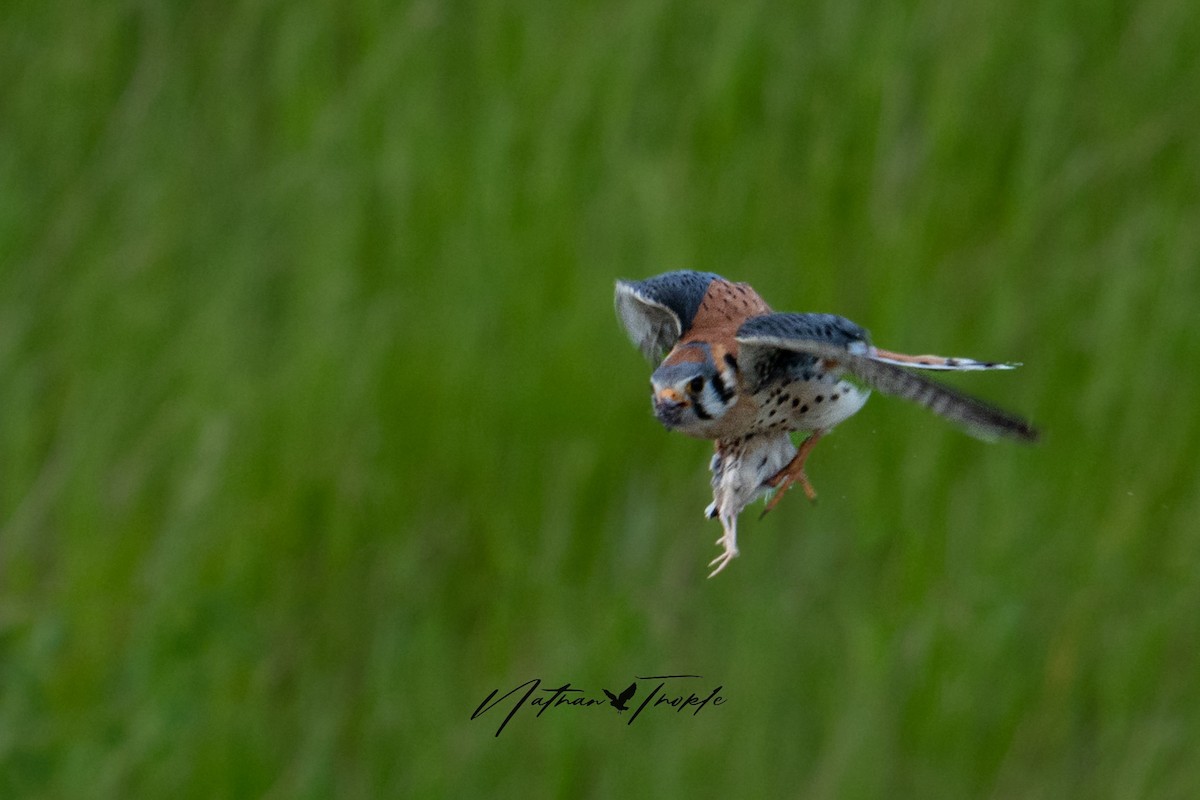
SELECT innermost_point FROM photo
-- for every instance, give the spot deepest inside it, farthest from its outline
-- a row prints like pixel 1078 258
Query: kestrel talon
pixel 746 377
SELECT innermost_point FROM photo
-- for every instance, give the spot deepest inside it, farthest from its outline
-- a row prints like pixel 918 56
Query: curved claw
pixel 784 482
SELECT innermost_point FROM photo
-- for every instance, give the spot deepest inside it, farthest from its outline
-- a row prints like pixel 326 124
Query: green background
pixel 316 424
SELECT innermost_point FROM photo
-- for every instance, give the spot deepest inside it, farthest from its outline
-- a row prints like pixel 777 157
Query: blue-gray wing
pixel 771 342
pixel 656 312
pixel 776 347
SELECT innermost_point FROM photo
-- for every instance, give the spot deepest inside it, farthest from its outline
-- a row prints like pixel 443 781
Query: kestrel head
pixel 692 390
pixel 697 383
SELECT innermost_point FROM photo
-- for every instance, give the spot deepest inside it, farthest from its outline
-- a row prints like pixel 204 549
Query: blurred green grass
pixel 316 425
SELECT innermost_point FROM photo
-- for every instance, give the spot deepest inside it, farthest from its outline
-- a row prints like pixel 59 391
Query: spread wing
pixel 628 693
pixel 772 342
pixel 656 312
pixel 612 697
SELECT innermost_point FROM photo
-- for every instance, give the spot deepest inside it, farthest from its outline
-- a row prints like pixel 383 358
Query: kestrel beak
pixel 668 407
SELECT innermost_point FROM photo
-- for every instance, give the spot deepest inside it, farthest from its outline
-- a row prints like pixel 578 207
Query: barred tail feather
pixel 977 417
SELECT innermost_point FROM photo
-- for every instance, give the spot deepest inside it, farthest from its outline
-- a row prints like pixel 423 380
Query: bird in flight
pixel 618 702
pixel 731 370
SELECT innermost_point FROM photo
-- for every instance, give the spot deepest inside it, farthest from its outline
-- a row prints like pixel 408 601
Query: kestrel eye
pixel 696 384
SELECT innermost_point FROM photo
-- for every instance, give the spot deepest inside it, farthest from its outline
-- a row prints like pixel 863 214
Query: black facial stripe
pixel 724 391
pixel 700 412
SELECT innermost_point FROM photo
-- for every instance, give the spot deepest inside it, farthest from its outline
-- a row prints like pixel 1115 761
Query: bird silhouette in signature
pixel 618 702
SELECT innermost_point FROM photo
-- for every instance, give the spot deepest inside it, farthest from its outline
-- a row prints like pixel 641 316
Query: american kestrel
pixel 746 377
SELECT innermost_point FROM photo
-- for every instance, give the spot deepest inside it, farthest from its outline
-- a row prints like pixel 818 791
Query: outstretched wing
pixel 769 340
pixel 656 312
pixel 628 693
pixel 612 697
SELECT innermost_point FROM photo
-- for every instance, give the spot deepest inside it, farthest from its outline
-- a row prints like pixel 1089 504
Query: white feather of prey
pixel 739 476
